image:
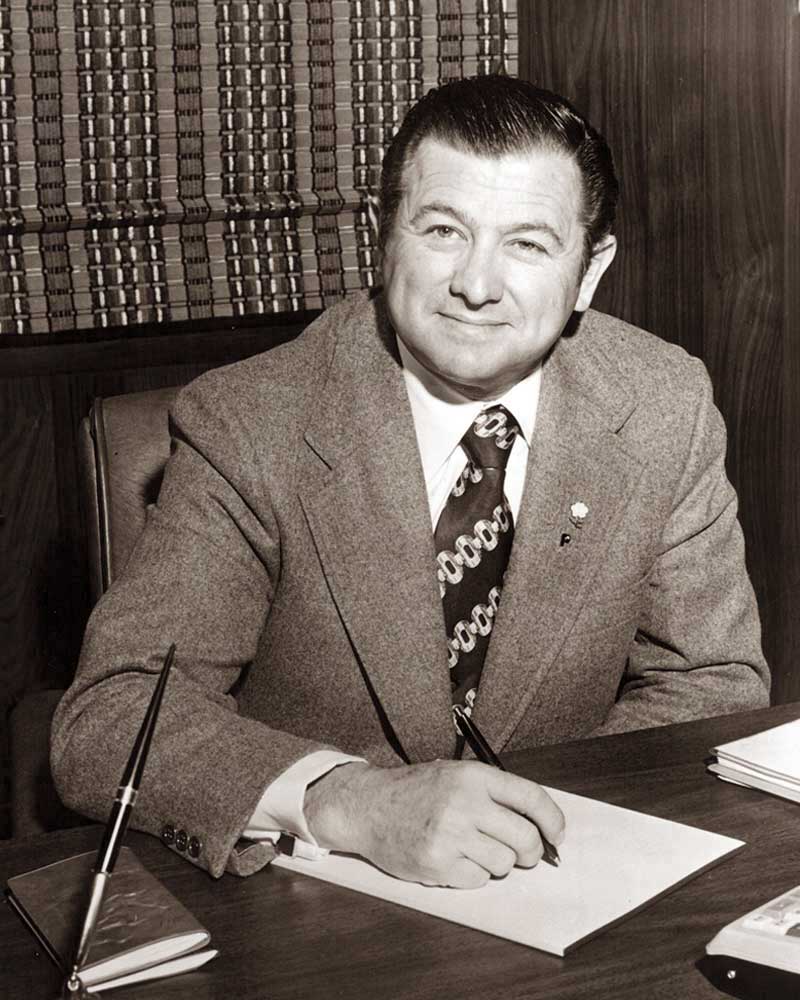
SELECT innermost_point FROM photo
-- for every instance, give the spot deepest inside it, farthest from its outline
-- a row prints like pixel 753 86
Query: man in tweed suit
pixel 291 555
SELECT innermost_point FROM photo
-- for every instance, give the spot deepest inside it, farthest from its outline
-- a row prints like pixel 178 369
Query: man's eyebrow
pixel 442 208
pixel 536 227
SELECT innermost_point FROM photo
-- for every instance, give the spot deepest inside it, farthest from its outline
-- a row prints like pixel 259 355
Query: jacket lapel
pixel 366 506
pixel 363 494
pixel 576 456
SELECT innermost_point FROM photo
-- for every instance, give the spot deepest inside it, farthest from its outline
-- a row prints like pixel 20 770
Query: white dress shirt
pixel 441 417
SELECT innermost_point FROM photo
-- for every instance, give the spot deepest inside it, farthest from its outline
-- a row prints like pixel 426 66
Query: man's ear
pixel 601 258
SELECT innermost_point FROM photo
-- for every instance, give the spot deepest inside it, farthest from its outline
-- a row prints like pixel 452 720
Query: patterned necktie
pixel 473 542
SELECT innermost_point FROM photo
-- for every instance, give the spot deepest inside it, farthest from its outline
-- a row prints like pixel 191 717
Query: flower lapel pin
pixel 578 512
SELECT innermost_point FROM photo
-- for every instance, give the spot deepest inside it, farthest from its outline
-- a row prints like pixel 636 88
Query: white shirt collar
pixel 442 414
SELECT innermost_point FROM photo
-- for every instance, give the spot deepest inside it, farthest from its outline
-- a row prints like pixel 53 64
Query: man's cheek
pixel 430 272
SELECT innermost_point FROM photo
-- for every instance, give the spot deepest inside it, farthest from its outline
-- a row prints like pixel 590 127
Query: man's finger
pixel 495 856
pixel 528 799
pixel 514 830
pixel 465 874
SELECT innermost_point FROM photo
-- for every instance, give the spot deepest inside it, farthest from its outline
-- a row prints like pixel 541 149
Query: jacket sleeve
pixel 202 575
pixel 697 648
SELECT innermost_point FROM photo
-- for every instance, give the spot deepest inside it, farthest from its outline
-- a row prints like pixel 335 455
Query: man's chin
pixel 473 383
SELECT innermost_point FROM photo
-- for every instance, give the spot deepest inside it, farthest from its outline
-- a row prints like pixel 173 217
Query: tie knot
pixel 488 441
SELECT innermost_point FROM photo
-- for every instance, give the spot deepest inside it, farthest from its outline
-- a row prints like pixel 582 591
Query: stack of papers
pixel 769 761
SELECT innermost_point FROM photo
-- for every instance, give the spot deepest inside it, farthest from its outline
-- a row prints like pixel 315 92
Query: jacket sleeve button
pixel 194 847
pixel 168 833
pixel 181 840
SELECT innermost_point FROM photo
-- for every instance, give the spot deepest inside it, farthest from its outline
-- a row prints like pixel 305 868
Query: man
pixel 313 547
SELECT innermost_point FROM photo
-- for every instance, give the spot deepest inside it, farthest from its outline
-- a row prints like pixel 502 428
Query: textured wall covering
pixel 177 160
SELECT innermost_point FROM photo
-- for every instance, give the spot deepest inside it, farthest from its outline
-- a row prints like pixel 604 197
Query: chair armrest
pixel 35 805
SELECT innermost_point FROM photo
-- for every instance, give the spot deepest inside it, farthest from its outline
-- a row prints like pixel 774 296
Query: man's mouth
pixel 473 321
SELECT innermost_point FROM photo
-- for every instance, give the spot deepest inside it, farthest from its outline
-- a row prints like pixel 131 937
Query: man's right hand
pixel 454 823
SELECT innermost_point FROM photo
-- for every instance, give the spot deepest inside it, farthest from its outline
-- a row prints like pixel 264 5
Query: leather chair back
pixel 124 446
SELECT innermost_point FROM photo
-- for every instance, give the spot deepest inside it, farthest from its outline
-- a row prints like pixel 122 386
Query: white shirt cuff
pixel 280 809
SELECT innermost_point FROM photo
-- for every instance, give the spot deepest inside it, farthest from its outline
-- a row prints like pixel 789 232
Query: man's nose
pixel 477 278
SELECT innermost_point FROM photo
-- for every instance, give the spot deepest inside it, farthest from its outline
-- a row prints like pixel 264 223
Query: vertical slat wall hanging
pixel 182 159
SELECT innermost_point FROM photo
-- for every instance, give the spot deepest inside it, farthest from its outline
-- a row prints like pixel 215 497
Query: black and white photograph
pixel 400 499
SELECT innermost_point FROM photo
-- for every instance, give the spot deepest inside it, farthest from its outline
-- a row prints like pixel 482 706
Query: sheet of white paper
pixel 775 752
pixel 613 861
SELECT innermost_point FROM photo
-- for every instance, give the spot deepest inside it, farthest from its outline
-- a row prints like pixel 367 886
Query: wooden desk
pixel 285 936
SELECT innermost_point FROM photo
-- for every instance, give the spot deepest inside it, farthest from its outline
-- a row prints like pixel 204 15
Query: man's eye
pixel 443 232
pixel 528 246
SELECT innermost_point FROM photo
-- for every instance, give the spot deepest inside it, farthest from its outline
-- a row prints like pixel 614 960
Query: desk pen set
pixel 130 927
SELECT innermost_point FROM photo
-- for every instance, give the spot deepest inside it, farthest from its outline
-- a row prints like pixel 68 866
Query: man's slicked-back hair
pixel 495 115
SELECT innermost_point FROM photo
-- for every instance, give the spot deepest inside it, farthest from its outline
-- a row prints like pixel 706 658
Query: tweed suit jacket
pixel 290 557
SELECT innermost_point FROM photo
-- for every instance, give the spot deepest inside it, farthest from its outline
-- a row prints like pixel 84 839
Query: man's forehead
pixel 436 155
pixel 537 175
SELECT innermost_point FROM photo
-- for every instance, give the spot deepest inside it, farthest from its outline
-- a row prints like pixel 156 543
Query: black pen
pixel 117 824
pixel 484 753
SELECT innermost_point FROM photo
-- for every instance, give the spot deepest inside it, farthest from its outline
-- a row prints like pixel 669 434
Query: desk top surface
pixel 282 935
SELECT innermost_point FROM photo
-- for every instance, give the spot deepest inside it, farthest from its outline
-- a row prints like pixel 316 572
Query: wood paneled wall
pixel 700 102
pixel 787 647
